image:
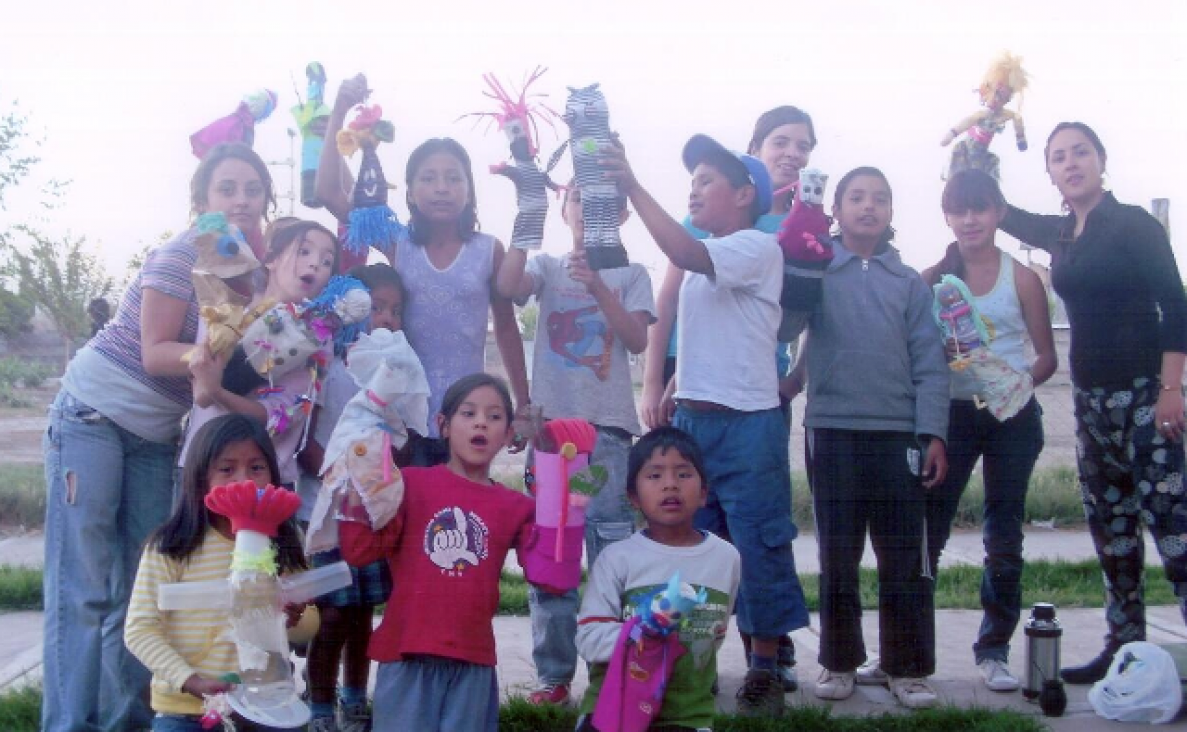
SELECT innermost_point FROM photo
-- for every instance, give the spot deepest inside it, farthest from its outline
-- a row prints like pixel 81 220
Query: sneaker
pixel 354 717
pixel 997 675
pixel 550 694
pixel 870 673
pixel 761 694
pixel 913 693
pixel 834 686
pixel 323 724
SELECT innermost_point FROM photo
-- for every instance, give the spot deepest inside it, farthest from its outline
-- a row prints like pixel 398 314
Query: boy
pixel 726 393
pixel 666 482
pixel 589 322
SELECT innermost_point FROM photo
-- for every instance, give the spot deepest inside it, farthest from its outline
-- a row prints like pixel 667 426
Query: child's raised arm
pixel 333 182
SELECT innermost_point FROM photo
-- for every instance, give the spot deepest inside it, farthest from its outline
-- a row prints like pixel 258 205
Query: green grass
pixel 20 711
pixel 22 495
pixel 20 589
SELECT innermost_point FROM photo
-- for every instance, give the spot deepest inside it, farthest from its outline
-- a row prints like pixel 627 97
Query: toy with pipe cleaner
pixel 517 119
pixel 312 118
pixel 807 252
pixel 239 126
pixel 372 223
pixel 1004 80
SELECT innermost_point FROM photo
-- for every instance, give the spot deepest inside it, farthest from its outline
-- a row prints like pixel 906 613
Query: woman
pixel 1114 269
pixel 109 456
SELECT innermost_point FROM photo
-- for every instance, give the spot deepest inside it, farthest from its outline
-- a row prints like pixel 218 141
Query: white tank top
pixel 1011 341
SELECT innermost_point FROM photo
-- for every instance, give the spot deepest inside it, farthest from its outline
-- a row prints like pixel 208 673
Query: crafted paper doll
pixel 372 222
pixel 1005 79
pixel 312 118
pixel 807 252
pixel 239 126
pixel 967 334
pixel 517 120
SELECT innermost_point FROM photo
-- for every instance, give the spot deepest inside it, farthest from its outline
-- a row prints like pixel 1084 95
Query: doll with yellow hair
pixel 1004 79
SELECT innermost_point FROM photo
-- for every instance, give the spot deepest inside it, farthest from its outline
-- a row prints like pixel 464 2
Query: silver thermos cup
pixel 1043 636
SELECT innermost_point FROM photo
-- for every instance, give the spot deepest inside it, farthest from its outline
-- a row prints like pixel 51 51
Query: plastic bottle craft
pixel 562 451
pixel 1004 79
pixel 517 120
pixel 372 222
pixel 588 119
pixel 312 117
pixel 254 599
pixel 393 398
pixel 645 653
pixel 807 252
pixel 966 333
pixel 239 126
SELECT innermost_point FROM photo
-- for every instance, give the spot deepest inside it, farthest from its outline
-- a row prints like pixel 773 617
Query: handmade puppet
pixel 1002 82
pixel 967 334
pixel 644 656
pixel 517 120
pixel 393 398
pixel 239 126
pixel 807 252
pixel 588 119
pixel 312 117
pixel 372 222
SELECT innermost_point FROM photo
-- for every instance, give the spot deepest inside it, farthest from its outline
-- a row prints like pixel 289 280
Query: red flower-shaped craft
pixel 253 508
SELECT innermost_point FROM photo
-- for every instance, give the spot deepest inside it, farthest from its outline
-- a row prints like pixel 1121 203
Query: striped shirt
pixel 174 645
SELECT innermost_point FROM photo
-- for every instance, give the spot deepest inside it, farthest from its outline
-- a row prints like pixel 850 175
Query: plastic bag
pixel 1142 686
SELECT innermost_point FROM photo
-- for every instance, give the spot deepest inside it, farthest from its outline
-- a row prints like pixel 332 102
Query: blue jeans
pixel 1008 451
pixel 608 518
pixel 107 489
pixel 749 505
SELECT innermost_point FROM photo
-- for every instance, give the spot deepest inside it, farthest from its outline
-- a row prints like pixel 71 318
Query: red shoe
pixel 557 694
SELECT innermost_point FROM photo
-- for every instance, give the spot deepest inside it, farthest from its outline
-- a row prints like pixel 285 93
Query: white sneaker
pixel 870 673
pixel 913 693
pixel 834 686
pixel 997 675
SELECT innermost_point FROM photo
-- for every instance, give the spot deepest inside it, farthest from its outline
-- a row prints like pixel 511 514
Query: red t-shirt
pixel 445 576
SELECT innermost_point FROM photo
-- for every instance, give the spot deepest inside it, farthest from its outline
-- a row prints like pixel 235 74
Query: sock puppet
pixel 372 223
pixel 807 252
pixel 312 117
pixel 239 126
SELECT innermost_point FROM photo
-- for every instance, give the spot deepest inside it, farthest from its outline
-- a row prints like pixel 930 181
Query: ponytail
pixel 951 264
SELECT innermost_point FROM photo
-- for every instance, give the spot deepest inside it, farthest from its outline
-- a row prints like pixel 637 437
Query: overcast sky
pixel 116 88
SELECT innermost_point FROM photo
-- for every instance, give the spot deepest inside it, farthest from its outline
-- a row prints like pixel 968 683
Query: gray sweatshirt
pixel 875 357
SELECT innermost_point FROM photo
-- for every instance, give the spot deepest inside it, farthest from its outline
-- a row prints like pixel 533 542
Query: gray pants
pixel 431 694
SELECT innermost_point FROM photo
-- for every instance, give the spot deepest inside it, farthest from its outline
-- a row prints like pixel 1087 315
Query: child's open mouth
pixel 671 503
pixel 479 441
pixel 308 280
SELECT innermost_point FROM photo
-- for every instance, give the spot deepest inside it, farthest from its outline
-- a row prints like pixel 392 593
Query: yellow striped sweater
pixel 175 645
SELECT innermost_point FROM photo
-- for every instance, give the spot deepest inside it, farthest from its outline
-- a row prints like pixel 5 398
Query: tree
pixel 15 161
pixel 528 316
pixel 60 275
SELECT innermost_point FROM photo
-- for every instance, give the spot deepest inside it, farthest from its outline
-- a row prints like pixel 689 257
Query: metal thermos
pixel 1043 636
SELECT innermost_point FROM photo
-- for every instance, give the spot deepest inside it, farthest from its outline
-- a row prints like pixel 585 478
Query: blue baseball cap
pixel 700 147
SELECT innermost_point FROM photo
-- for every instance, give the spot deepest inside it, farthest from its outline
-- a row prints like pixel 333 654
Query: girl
pixel 877 413
pixel 109 456
pixel 301 257
pixel 188 652
pixel 1114 269
pixel 346 614
pixel 446 547
pixel 448 266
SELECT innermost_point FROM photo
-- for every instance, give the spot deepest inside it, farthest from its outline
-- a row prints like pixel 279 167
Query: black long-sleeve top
pixel 1120 284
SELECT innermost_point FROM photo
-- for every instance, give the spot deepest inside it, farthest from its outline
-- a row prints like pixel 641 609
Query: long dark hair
pixel 843 185
pixel 467 223
pixel 1083 128
pixel 182 534
pixel 200 182
pixel 777 117
pixel 968 190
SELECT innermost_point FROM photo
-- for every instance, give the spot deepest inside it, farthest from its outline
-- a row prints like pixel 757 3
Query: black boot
pixel 1091 672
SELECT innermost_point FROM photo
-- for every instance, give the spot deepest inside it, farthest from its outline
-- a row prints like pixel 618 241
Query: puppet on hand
pixel 1002 82
pixel 807 252
pixel 312 118
pixel 239 126
pixel 372 222
pixel 517 120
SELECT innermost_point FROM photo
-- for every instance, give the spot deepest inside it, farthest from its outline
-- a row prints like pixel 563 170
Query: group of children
pixel 713 490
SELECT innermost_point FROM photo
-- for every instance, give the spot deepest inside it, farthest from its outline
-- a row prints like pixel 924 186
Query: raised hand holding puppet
pixel 372 223
pixel 517 120
pixel 807 252
pixel 239 126
pixel 1005 79
pixel 312 117
pixel 967 334
pixel 588 119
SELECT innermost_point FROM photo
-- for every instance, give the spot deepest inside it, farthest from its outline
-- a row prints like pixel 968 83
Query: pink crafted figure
pixel 967 334
pixel 239 126
pixel 647 649
pixel 807 252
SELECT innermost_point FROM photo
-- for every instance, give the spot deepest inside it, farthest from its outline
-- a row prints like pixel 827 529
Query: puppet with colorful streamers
pixel 517 120
pixel 239 126
pixel 1004 391
pixel 312 116
pixel 372 223
pixel 1005 79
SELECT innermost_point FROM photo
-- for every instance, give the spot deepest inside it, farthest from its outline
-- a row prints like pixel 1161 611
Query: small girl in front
pixel 877 419
pixel 189 651
pixel 445 547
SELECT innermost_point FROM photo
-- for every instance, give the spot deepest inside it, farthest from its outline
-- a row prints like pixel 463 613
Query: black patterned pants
pixel 1129 476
